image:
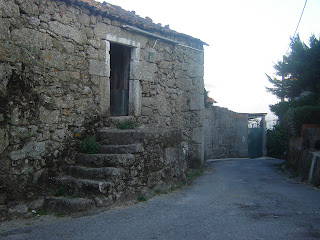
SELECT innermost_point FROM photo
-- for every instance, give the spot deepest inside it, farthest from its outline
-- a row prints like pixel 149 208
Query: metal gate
pixel 255 136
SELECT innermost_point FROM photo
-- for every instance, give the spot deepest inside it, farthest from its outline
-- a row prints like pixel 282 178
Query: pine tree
pixel 299 71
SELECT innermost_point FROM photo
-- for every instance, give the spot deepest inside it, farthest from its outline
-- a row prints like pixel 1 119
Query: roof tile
pixel 129 17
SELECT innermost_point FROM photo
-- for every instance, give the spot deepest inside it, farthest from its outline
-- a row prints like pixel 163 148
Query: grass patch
pixel 188 181
pixel 179 186
pixel 126 125
pixel 89 145
pixel 42 213
pixel 71 197
pixel 280 167
pixel 293 174
pixel 60 215
pixel 285 168
pixel 195 174
pixel 190 178
pixel 142 198
pixel 159 192
pixel 61 191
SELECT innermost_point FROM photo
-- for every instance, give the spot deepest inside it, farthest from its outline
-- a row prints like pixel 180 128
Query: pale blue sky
pixel 246 38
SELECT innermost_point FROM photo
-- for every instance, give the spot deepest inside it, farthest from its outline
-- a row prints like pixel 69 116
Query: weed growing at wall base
pixel 61 191
pixel 142 198
pixel 195 174
pixel 126 125
pixel 89 145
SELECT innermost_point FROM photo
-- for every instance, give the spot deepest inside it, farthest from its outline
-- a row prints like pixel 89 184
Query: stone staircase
pixel 98 180
pixel 130 163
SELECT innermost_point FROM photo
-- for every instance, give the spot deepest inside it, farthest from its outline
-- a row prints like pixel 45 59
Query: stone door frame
pixel 135 91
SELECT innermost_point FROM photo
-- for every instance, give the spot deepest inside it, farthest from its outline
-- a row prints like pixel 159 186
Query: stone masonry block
pixel 197 134
pixel 146 71
pixel 54 59
pixel 68 32
pixel 98 68
pixel 49 117
pixel 4 28
pixel 32 38
pixel 195 70
pixel 29 8
pixel 196 102
pixel 4 139
pixel 9 9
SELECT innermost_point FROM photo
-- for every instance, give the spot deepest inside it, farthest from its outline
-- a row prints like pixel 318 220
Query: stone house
pixel 70 67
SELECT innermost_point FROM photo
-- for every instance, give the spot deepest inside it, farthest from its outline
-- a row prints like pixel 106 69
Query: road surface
pixel 234 199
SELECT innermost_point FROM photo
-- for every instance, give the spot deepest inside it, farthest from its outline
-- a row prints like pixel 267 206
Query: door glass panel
pixel 119 79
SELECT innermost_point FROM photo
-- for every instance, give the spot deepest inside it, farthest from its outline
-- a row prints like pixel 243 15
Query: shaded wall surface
pixel 226 133
pixel 304 155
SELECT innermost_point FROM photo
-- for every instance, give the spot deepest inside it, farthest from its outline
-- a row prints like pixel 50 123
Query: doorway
pixel 256 135
pixel 255 142
pixel 120 56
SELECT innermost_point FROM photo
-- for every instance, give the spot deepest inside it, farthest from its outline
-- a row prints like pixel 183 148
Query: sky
pixel 246 38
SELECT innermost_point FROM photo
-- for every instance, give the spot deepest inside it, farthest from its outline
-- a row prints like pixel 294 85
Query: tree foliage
pixel 299 71
pixel 276 141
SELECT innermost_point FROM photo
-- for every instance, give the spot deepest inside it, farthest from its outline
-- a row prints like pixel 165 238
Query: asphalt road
pixel 234 199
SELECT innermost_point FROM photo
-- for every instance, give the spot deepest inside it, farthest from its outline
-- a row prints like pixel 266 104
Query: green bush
pixel 126 125
pixel 61 191
pixel 296 117
pixel 281 108
pixel 89 145
pixel 142 198
pixel 276 142
pixel 294 113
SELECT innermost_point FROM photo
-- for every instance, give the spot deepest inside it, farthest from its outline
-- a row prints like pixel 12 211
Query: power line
pixel 288 46
pixel 297 25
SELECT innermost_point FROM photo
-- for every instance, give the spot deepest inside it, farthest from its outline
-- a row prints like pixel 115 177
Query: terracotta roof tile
pixel 210 100
pixel 117 13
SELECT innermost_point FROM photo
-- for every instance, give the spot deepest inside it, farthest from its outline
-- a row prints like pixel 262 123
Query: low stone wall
pixel 161 164
pixel 303 155
pixel 226 133
pixel 306 164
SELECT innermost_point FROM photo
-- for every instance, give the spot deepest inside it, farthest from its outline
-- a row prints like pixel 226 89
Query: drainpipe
pixel 159 37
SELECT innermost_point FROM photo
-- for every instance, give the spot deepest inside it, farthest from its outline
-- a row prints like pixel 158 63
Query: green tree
pixel 299 71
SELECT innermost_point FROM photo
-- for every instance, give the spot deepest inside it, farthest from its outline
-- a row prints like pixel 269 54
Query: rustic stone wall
pixel 54 86
pixel 174 96
pixel 226 133
pixel 303 154
pixel 158 160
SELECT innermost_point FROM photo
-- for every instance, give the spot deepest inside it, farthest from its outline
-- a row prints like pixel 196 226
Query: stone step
pixel 112 122
pixel 103 173
pixel 121 149
pixel 63 205
pixel 120 137
pixel 85 187
pixel 105 160
pixel 160 136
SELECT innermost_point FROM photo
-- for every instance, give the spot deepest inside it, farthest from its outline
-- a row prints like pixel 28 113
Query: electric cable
pixel 297 25
pixel 288 46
